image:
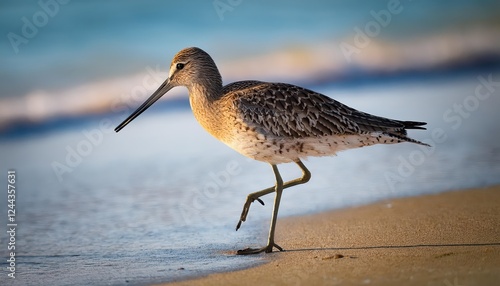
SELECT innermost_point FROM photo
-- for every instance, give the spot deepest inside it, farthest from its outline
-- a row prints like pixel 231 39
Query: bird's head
pixel 192 68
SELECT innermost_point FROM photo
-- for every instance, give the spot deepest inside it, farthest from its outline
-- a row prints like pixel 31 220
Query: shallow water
pixel 159 201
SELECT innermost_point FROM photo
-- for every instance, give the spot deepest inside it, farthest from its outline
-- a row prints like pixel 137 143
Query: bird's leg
pixel 270 243
pixel 279 190
pixel 306 175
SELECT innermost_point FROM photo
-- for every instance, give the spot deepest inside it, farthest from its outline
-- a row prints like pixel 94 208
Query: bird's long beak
pixel 164 88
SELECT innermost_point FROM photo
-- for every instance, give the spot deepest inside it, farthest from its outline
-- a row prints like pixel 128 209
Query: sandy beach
pixel 447 239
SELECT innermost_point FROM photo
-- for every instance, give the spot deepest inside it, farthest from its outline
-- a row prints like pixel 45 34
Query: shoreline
pixel 451 238
pixel 18 126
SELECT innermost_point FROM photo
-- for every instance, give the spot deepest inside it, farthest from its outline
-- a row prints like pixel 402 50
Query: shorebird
pixel 272 122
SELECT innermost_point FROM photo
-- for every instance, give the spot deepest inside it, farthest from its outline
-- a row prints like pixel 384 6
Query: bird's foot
pixel 266 249
pixel 246 208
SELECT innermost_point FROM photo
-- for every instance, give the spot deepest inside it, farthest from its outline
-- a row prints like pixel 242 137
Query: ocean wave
pixel 329 61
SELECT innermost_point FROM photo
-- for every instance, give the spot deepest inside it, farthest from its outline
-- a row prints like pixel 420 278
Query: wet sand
pixel 447 239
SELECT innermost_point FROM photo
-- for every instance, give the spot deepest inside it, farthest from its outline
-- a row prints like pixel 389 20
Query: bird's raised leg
pixel 279 190
pixel 306 175
pixel 270 242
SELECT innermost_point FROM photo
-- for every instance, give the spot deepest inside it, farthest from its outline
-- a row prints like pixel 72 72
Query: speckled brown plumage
pixel 285 116
pixel 278 122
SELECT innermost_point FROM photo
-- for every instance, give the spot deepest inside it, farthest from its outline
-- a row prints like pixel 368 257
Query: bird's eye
pixel 179 66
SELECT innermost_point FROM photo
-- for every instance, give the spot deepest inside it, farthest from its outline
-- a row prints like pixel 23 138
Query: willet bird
pixel 272 122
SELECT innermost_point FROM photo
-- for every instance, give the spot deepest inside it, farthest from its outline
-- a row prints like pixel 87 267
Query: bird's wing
pixel 287 110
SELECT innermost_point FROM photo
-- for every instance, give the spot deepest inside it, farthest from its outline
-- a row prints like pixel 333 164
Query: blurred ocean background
pixel 160 200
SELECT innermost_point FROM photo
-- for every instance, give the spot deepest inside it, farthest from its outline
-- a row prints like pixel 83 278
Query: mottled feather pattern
pixel 285 110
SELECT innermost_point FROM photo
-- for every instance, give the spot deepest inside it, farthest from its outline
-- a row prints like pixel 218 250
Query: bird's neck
pixel 209 90
pixel 205 105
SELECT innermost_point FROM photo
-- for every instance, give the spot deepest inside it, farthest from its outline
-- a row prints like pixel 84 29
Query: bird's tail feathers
pixel 414 125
